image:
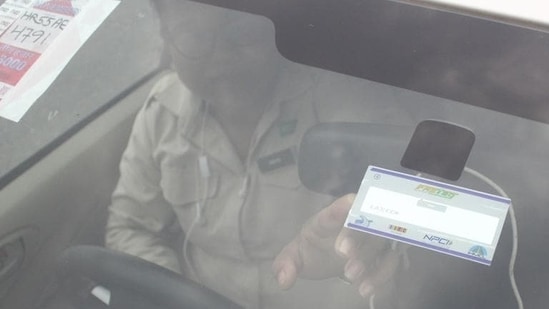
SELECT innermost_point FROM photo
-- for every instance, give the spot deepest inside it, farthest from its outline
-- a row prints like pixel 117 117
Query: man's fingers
pixel 354 270
pixel 329 220
pixel 369 276
pixel 287 265
pixel 310 254
pixel 350 244
pixel 386 268
pixel 286 276
pixel 347 243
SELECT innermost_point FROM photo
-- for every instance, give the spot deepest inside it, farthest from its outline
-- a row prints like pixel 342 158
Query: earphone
pixel 202 170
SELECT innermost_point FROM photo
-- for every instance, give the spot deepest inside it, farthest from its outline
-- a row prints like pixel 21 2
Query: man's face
pixel 213 47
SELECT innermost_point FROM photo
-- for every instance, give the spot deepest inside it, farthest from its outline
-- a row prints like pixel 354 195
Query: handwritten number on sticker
pixel 22 34
pixel 45 20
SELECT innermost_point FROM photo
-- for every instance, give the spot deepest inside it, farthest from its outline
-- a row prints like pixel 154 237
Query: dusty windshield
pixel 266 165
pixel 216 152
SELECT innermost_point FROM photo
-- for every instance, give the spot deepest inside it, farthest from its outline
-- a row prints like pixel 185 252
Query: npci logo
pixel 438 240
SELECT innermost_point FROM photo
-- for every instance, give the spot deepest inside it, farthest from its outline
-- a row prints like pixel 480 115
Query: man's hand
pixel 324 249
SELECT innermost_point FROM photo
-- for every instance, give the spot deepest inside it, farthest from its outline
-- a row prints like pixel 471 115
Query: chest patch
pixel 276 160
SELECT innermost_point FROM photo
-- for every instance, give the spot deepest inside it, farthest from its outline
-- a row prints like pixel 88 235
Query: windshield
pixel 338 155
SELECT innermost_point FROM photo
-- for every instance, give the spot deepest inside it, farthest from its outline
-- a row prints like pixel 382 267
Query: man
pixel 211 154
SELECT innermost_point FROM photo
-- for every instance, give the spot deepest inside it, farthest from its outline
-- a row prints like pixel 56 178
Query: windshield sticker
pixel 433 215
pixel 38 38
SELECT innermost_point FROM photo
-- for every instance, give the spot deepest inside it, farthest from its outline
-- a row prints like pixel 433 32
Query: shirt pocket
pixel 279 168
pixel 285 178
pixel 184 186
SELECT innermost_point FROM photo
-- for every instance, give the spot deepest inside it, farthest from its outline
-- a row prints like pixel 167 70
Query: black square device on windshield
pixel 439 148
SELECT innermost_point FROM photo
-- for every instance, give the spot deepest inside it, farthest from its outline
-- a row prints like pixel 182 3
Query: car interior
pixel 408 63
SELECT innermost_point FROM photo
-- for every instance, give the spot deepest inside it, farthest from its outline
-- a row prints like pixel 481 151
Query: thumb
pixel 287 265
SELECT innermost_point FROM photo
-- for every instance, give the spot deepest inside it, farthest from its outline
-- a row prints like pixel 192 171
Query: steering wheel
pixel 133 281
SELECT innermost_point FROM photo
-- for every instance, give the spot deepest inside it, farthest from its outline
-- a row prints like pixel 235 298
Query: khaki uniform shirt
pixel 247 214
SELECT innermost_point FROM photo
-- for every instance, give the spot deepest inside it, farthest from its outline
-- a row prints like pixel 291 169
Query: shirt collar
pixel 295 81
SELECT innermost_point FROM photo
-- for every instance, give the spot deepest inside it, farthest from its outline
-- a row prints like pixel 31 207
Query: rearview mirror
pixel 333 157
